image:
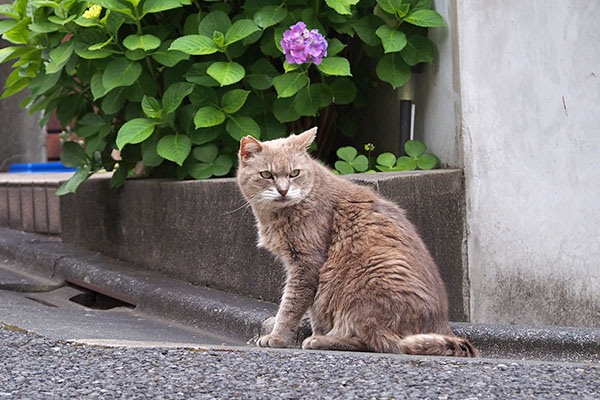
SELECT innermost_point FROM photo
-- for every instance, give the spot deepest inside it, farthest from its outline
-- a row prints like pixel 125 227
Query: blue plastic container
pixel 55 166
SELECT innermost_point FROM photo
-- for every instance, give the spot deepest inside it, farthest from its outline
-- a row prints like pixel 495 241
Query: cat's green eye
pixel 294 173
pixel 266 174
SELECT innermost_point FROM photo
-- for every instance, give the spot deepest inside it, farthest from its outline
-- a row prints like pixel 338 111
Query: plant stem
pixel 138 23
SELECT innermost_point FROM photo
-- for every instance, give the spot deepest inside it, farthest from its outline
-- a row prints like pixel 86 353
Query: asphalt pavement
pixel 153 337
pixel 35 367
pixel 74 314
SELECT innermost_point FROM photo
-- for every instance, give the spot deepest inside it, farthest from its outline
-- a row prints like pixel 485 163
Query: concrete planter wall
pixel 201 231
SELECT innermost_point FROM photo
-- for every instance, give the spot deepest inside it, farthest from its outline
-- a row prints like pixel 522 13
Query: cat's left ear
pixel 305 139
pixel 249 147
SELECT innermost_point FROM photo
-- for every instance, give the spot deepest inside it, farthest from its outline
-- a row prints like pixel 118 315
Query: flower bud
pixel 93 12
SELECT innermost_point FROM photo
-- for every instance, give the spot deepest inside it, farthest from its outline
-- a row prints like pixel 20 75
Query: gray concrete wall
pixel 518 86
pixel 437 98
pixel 21 138
pixel 202 231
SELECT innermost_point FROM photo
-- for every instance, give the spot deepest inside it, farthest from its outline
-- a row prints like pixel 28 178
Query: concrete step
pixel 241 318
pixel 28 202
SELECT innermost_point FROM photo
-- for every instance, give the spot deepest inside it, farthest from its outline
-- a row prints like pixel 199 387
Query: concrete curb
pixel 241 318
pixel 227 314
pixel 551 343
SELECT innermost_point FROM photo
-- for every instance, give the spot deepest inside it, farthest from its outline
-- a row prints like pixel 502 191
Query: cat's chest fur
pixel 296 236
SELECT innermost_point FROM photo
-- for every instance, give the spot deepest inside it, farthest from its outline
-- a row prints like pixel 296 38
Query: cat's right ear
pixel 249 147
pixel 305 139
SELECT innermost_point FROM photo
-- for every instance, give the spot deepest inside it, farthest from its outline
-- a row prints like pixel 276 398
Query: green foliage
pixel 174 84
pixel 350 161
pixel 386 162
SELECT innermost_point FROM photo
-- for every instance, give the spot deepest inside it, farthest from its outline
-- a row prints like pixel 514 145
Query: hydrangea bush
pixel 174 84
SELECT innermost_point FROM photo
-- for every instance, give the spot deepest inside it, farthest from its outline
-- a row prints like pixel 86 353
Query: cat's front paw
pixel 271 340
pixel 314 343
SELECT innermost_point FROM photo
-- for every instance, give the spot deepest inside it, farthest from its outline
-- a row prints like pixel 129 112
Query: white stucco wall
pixel 523 81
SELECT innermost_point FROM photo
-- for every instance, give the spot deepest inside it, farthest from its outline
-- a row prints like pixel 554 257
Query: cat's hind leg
pixel 322 342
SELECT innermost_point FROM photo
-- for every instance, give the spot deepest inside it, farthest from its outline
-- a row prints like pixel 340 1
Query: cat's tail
pixel 438 345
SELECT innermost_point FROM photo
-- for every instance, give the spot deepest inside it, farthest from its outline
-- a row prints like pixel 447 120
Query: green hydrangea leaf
pixel 151 107
pixel 233 100
pixel 240 126
pixel 144 42
pixel 74 181
pixel 390 6
pixel 88 125
pixel 344 91
pixel 425 18
pixel 150 157
pixel 154 6
pixel 175 94
pixel 284 110
pixel 418 49
pixel 169 58
pixel 226 73
pixel 222 165
pixel 174 148
pixel 341 6
pixel 335 46
pixel 208 116
pixel 391 39
pixel 391 68
pixel 270 15
pixel 73 155
pixel 338 66
pixel 240 29
pixel 135 131
pixel 216 20
pixel 59 56
pixel 311 98
pixel 206 153
pixel 194 45
pixel 289 84
pixel 120 72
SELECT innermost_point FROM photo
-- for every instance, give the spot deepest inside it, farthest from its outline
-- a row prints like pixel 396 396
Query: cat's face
pixel 276 173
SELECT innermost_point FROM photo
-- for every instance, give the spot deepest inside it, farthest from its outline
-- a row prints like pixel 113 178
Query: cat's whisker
pixel 262 203
pixel 245 206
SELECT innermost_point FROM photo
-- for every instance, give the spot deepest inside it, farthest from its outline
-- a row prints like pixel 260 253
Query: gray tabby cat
pixel 352 258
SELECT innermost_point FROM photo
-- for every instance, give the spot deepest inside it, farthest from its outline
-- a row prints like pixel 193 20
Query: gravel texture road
pixel 34 367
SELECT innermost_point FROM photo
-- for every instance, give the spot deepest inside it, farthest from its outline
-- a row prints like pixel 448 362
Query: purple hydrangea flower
pixel 303 46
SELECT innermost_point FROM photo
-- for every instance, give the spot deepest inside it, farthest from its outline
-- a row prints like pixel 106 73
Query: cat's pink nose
pixel 282 192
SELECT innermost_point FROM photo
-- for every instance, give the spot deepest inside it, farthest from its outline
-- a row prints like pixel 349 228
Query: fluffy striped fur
pixel 352 258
